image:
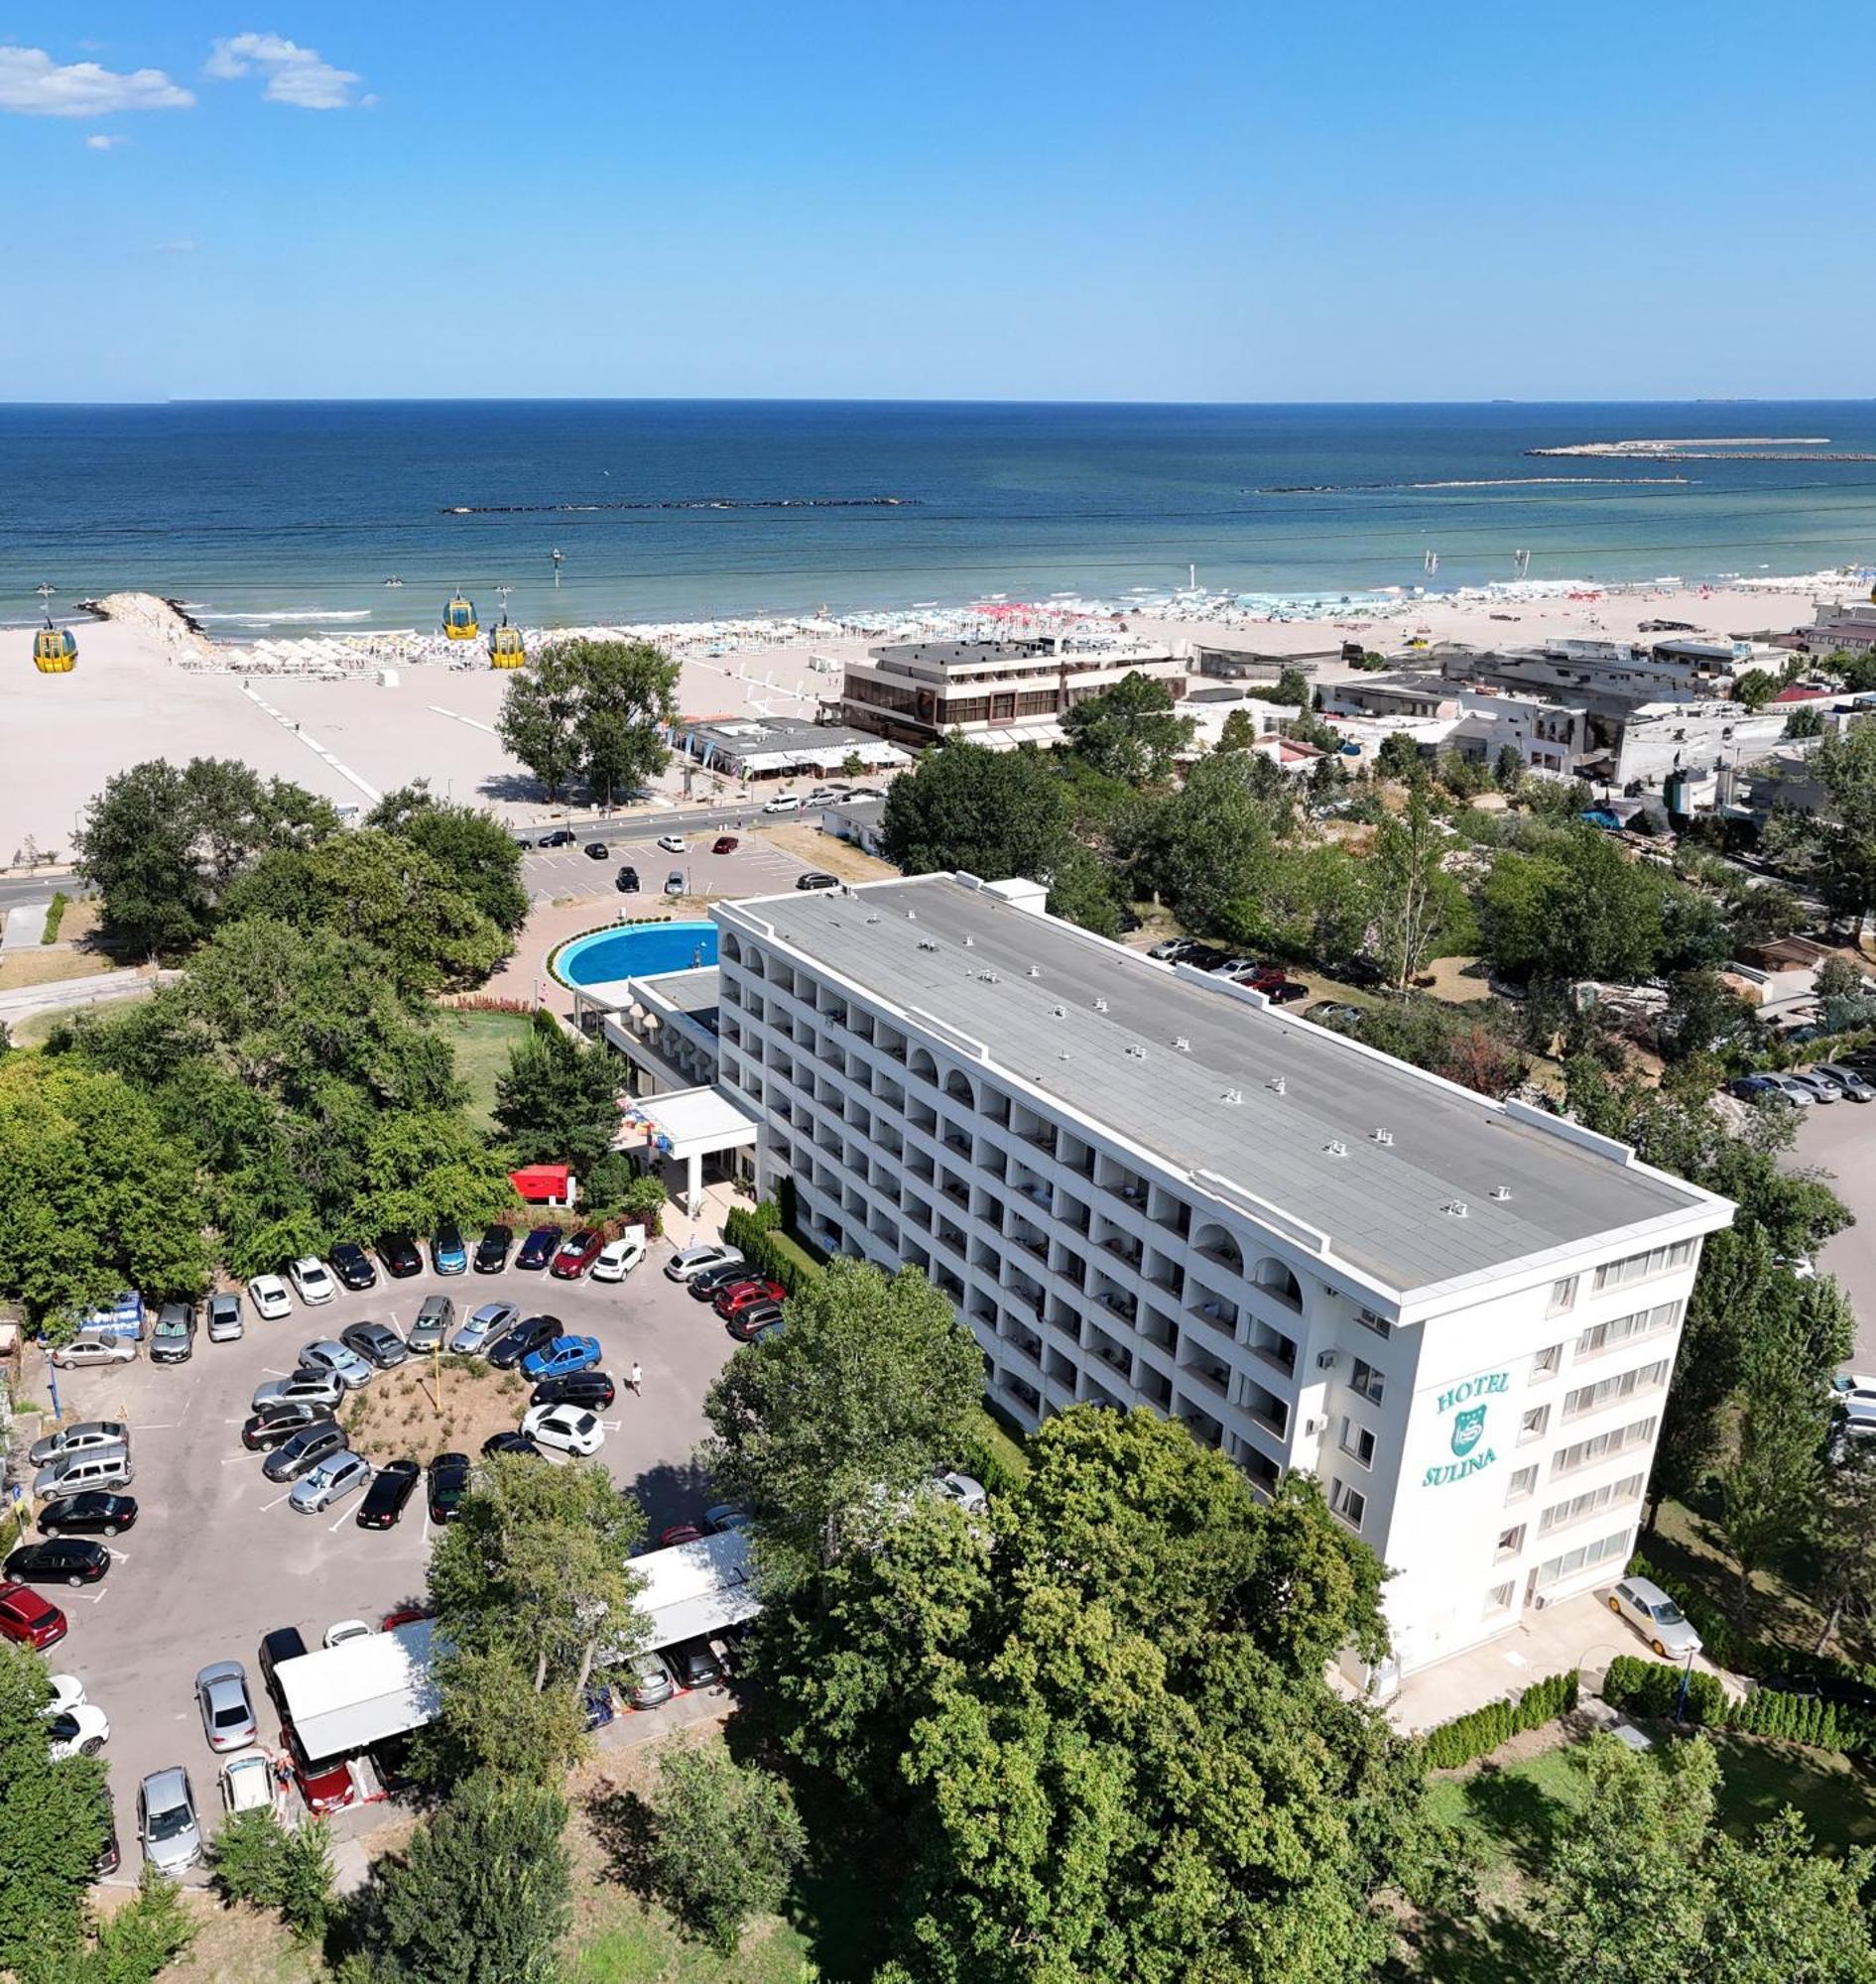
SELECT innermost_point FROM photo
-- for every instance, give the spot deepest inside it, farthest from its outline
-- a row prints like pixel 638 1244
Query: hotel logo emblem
pixel 1467 1427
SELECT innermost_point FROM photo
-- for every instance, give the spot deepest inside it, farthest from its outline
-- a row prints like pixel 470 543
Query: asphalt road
pixel 217 1557
pixel 1840 1141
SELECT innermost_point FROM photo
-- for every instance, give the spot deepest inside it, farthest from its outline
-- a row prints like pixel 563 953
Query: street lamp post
pixel 1681 1699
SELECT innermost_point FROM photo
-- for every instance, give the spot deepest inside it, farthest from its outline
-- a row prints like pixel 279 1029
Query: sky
pixel 869 198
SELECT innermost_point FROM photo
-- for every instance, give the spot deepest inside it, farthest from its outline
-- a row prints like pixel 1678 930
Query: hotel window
pixel 1600 1336
pixel 1535 1423
pixel 1606 1391
pixel 1510 1542
pixel 1348 1503
pixel 1367 1380
pixel 1642 1267
pixel 1498 1598
pixel 1601 1448
pixel 1523 1483
pixel 1547 1362
pixel 1378 1323
pixel 1582 1557
pixel 1562 1296
pixel 1358 1442
pixel 1592 1502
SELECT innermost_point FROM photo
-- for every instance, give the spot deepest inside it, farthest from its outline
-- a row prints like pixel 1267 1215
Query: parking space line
pixel 333 1531
pixel 274 1503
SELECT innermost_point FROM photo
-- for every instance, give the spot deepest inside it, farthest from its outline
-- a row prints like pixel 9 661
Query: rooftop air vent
pixel 1274 1084
pixel 1454 1208
pixel 1034 972
pixel 1136 1052
pixel 1501 1193
pixel 926 944
pixel 1336 1148
pixel 874 917
pixel 1182 1045
pixel 970 942
pixel 1381 1135
pixel 912 916
pixel 988 977
pixel 1058 1012
pixel 1232 1095
pixel 1100 1005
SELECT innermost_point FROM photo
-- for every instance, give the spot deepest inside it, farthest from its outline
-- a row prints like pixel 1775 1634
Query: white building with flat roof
pixel 1144 1187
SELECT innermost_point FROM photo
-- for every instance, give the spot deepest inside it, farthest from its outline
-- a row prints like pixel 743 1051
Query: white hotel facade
pixel 1144 1187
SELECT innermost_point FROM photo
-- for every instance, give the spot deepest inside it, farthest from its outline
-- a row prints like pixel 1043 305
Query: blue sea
pixel 287 518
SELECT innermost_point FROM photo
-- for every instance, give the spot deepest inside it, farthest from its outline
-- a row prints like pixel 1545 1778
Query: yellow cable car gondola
pixel 505 649
pixel 55 650
pixel 459 619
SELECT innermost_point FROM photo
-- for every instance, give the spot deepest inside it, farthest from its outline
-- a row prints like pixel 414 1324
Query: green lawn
pixel 481 1042
pixel 638 1946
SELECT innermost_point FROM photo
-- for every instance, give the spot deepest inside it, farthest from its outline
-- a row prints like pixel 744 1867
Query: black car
pixel 626 881
pixel 693 1664
pixel 596 850
pixel 96 1512
pixel 816 878
pixel 302 1452
pixel 377 1343
pixel 1836 1690
pixel 562 836
pixel 705 1285
pixel 352 1265
pixel 173 1340
pixel 491 1251
pixel 538 1248
pixel 508 1351
pixel 592 1389
pixel 511 1442
pixel 398 1252
pixel 281 1419
pixel 67 1561
pixel 109 1858
pixel 390 1487
pixel 449 1483
pixel 281 1644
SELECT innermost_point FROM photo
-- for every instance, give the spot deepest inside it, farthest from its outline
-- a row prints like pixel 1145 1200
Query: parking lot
pixel 217 1557
pixel 755 868
pixel 1840 1141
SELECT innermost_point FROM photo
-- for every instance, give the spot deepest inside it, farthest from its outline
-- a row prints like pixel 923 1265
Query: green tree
pixel 852 766
pixel 1842 1534
pixel 1398 757
pixel 160 844
pixel 596 710
pixel 1239 732
pixel 480 1895
pixel 557 1102
pixel 425 1169
pixel 469 845
pixel 1835 849
pixel 993 814
pixel 1081 890
pixel 538 720
pixel 1755 689
pixel 826 1429
pixel 255 1859
pixel 53 1823
pixel 1767 1488
pixel 724 1841
pixel 1411 896
pixel 1215 839
pixel 1508 768
pixel 133 1946
pixel 1132 732
pixel 1570 904
pixel 1292 687
pixel 1704 1014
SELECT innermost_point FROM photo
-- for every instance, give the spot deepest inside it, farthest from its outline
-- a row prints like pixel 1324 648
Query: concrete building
pixel 1144 1187
pixel 1475 721
pixel 995 693
pixel 1234 662
pixel 775 747
pixel 1842 623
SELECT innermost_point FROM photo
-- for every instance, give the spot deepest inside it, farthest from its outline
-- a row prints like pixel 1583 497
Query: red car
pixel 739 1295
pixel 679 1533
pixel 1261 978
pixel 392 1620
pixel 325 1786
pixel 725 843
pixel 27 1617
pixel 578 1251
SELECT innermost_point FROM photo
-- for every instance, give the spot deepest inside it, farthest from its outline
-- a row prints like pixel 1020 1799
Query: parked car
pixel 674 882
pixel 93 1346
pixel 693 1664
pixel 747 1324
pixel 431 1331
pixel 28 1618
pixel 626 881
pixel 331 1481
pixel 172 1337
pixel 1750 1087
pixel 310 1283
pixel 283 1643
pixel 689 1262
pixel 570 1428
pixel 268 1294
pixel 78 1437
pixel 561 1357
pixel 592 1389
pixel 727 1515
pixel 1838 1689
pixel 279 1419
pixel 596 850
pixel 96 1512
pixel 96 1467
pixel 724 843
pixel 963 1489
pixel 393 1486
pixel 398 1252
pixel 648 1682
pixel 313 1388
pixel 1656 1616
pixel 740 1295
pixel 1820 1086
pixel 449 1483
pixel 784 803
pixel 352 1265
pixel 227 1711
pixel 508 1350
pixel 596 1700
pixel 1849 1084
pixel 247 1783
pixel 705 1282
pixel 816 878
pixel 679 1533
pixel 491 1251
pixel 324 1788
pixel 1336 1013
pixel 538 1248
pixel 673 843
pixel 560 836
pixel 448 1254
pixel 72 1561
pixel 340 1360
pixel 1285 992
pixel 491 1321
pixel 1168 951
pixel 577 1253
pixel 377 1343
pixel 224 1318
pixel 166 1825
pixel 617 1258
pixel 300 1452
pixel 80 1731
pixel 509 1442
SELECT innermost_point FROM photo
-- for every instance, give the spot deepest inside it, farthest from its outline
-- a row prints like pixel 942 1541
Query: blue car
pixel 448 1253
pixel 561 1358
pixel 598 1704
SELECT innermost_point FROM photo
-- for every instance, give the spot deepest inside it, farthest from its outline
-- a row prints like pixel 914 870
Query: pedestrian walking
pixel 637 1381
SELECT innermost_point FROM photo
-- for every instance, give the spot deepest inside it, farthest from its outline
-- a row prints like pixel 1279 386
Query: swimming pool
pixel 640 950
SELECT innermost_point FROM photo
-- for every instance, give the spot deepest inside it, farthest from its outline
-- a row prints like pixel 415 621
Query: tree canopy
pixel 993 814
pixel 1131 732
pixel 557 1102
pixel 593 712
pixel 469 845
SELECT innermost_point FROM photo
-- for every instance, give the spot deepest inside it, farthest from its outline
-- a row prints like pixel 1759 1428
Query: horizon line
pixel 898 399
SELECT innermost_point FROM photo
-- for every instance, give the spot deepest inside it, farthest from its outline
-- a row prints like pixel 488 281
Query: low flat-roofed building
pixel 775 747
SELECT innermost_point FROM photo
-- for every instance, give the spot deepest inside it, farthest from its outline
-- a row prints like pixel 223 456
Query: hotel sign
pixel 1463 1409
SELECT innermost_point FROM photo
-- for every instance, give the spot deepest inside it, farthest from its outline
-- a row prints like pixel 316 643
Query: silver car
pixel 491 1321
pixel 76 1438
pixel 688 1260
pixel 1850 1084
pixel 224 1318
pixel 166 1825
pixel 431 1330
pixel 331 1481
pixel 1656 1616
pixel 318 1388
pixel 1820 1086
pixel 333 1358
pixel 93 1346
pixel 222 1693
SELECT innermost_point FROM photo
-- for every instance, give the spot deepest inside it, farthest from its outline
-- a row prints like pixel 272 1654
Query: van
pixel 96 1467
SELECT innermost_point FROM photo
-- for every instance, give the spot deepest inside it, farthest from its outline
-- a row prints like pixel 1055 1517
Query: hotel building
pixel 1144 1187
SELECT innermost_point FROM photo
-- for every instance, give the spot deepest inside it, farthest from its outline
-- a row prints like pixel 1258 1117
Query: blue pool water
pixel 639 952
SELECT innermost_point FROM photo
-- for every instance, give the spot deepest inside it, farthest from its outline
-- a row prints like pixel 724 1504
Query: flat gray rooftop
pixel 1382 1205
pixel 692 993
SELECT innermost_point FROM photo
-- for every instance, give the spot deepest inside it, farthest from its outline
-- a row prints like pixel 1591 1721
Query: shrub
pixel 767 1249
pixel 1465 1737
pixel 1653 1688
pixel 54 916
pixel 724 1842
pixel 256 1860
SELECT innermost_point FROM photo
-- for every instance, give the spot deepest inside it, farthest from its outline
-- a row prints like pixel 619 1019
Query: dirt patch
pixel 824 851
pixel 1460 981
pixel 50 965
pixel 397 1416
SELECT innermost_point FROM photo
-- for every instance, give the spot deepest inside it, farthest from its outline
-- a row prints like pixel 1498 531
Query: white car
pixel 572 1428
pixel 673 843
pixel 784 803
pixel 617 1258
pixel 333 1360
pixel 80 1731
pixel 688 1260
pixel 67 1692
pixel 247 1782
pixel 346 1629
pixel 329 1482
pixel 268 1294
pixel 92 1346
pixel 310 1281
pixel 963 1489
pixel 1656 1616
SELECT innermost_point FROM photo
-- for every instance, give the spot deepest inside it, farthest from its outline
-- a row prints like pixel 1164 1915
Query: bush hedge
pixel 1451 1744
pixel 54 916
pixel 1652 1688
pixel 767 1249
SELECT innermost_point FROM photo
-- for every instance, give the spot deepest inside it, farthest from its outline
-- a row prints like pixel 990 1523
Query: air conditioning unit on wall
pixel 1325 1360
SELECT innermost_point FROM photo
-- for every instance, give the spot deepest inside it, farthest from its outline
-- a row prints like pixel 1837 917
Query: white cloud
pixel 98 141
pixel 296 76
pixel 32 84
